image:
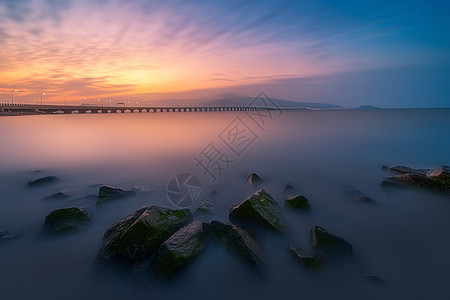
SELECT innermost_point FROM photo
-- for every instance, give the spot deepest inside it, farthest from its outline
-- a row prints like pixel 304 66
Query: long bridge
pixel 96 109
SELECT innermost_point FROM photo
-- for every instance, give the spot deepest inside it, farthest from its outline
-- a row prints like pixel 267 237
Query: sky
pixel 350 53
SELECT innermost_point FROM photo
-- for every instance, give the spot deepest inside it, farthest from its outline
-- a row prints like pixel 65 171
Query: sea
pixel 329 156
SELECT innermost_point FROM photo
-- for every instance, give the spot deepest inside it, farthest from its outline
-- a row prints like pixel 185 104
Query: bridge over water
pixel 95 109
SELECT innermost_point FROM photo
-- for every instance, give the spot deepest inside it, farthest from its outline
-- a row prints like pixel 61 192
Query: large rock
pixel 43 181
pixel 261 209
pixel 68 219
pixel 107 193
pixel 139 235
pixel 306 259
pixel 298 202
pixel 240 242
pixel 327 244
pixel 180 249
pixel 437 179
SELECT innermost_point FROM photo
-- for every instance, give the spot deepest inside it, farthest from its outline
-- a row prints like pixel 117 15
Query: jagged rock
pixel 421 181
pixel 298 202
pixel 261 209
pixel 68 219
pixel 7 235
pixel 43 181
pixel 240 242
pixel 139 235
pixel 107 193
pixel 57 196
pixel 308 260
pixel 327 244
pixel 180 249
pixel 253 179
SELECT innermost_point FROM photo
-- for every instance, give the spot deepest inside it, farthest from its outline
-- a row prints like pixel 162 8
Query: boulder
pixel 57 196
pixel 139 235
pixel 298 202
pixel 327 244
pixel 43 181
pixel 358 196
pixel 107 193
pixel 305 258
pixel 253 179
pixel 68 219
pixel 180 249
pixel 261 209
pixel 372 279
pixel 239 242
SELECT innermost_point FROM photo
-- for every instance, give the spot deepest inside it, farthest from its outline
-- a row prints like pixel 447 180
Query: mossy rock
pixel 305 258
pixel 298 202
pixel 261 209
pixel 180 249
pixel 327 244
pixel 239 242
pixel 68 219
pixel 107 193
pixel 43 181
pixel 139 235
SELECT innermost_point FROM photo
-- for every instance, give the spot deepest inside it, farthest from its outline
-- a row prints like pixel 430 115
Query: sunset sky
pixel 384 53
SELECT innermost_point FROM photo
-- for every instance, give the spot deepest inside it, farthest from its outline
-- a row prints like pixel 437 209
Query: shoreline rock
pixel 107 193
pixel 68 219
pixel 298 202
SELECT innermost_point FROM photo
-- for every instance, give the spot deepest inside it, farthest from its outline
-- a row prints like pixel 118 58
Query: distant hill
pixel 279 102
pixel 366 107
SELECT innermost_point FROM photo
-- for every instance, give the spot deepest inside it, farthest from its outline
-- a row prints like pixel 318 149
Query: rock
pixel 57 196
pixel 308 260
pixel 68 219
pixel 421 181
pixel 107 193
pixel 358 196
pixel 7 235
pixel 261 209
pixel 327 244
pixel 386 186
pixel 43 181
pixel 288 187
pixel 298 202
pixel 180 249
pixel 239 242
pixel 373 279
pixel 406 170
pixel 253 179
pixel 139 235
pixel 207 207
pixel 141 189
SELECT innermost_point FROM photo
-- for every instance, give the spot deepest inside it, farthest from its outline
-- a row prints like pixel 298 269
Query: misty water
pixel 403 238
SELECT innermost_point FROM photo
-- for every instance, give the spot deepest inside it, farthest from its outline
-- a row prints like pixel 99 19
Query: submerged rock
pixel 288 187
pixel 240 242
pixel 373 279
pixel 253 179
pixel 43 181
pixel 68 219
pixel 107 193
pixel 207 207
pixel 406 170
pixel 298 202
pixel 180 249
pixel 308 260
pixel 139 235
pixel 358 196
pixel 57 196
pixel 7 235
pixel 327 244
pixel 261 209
